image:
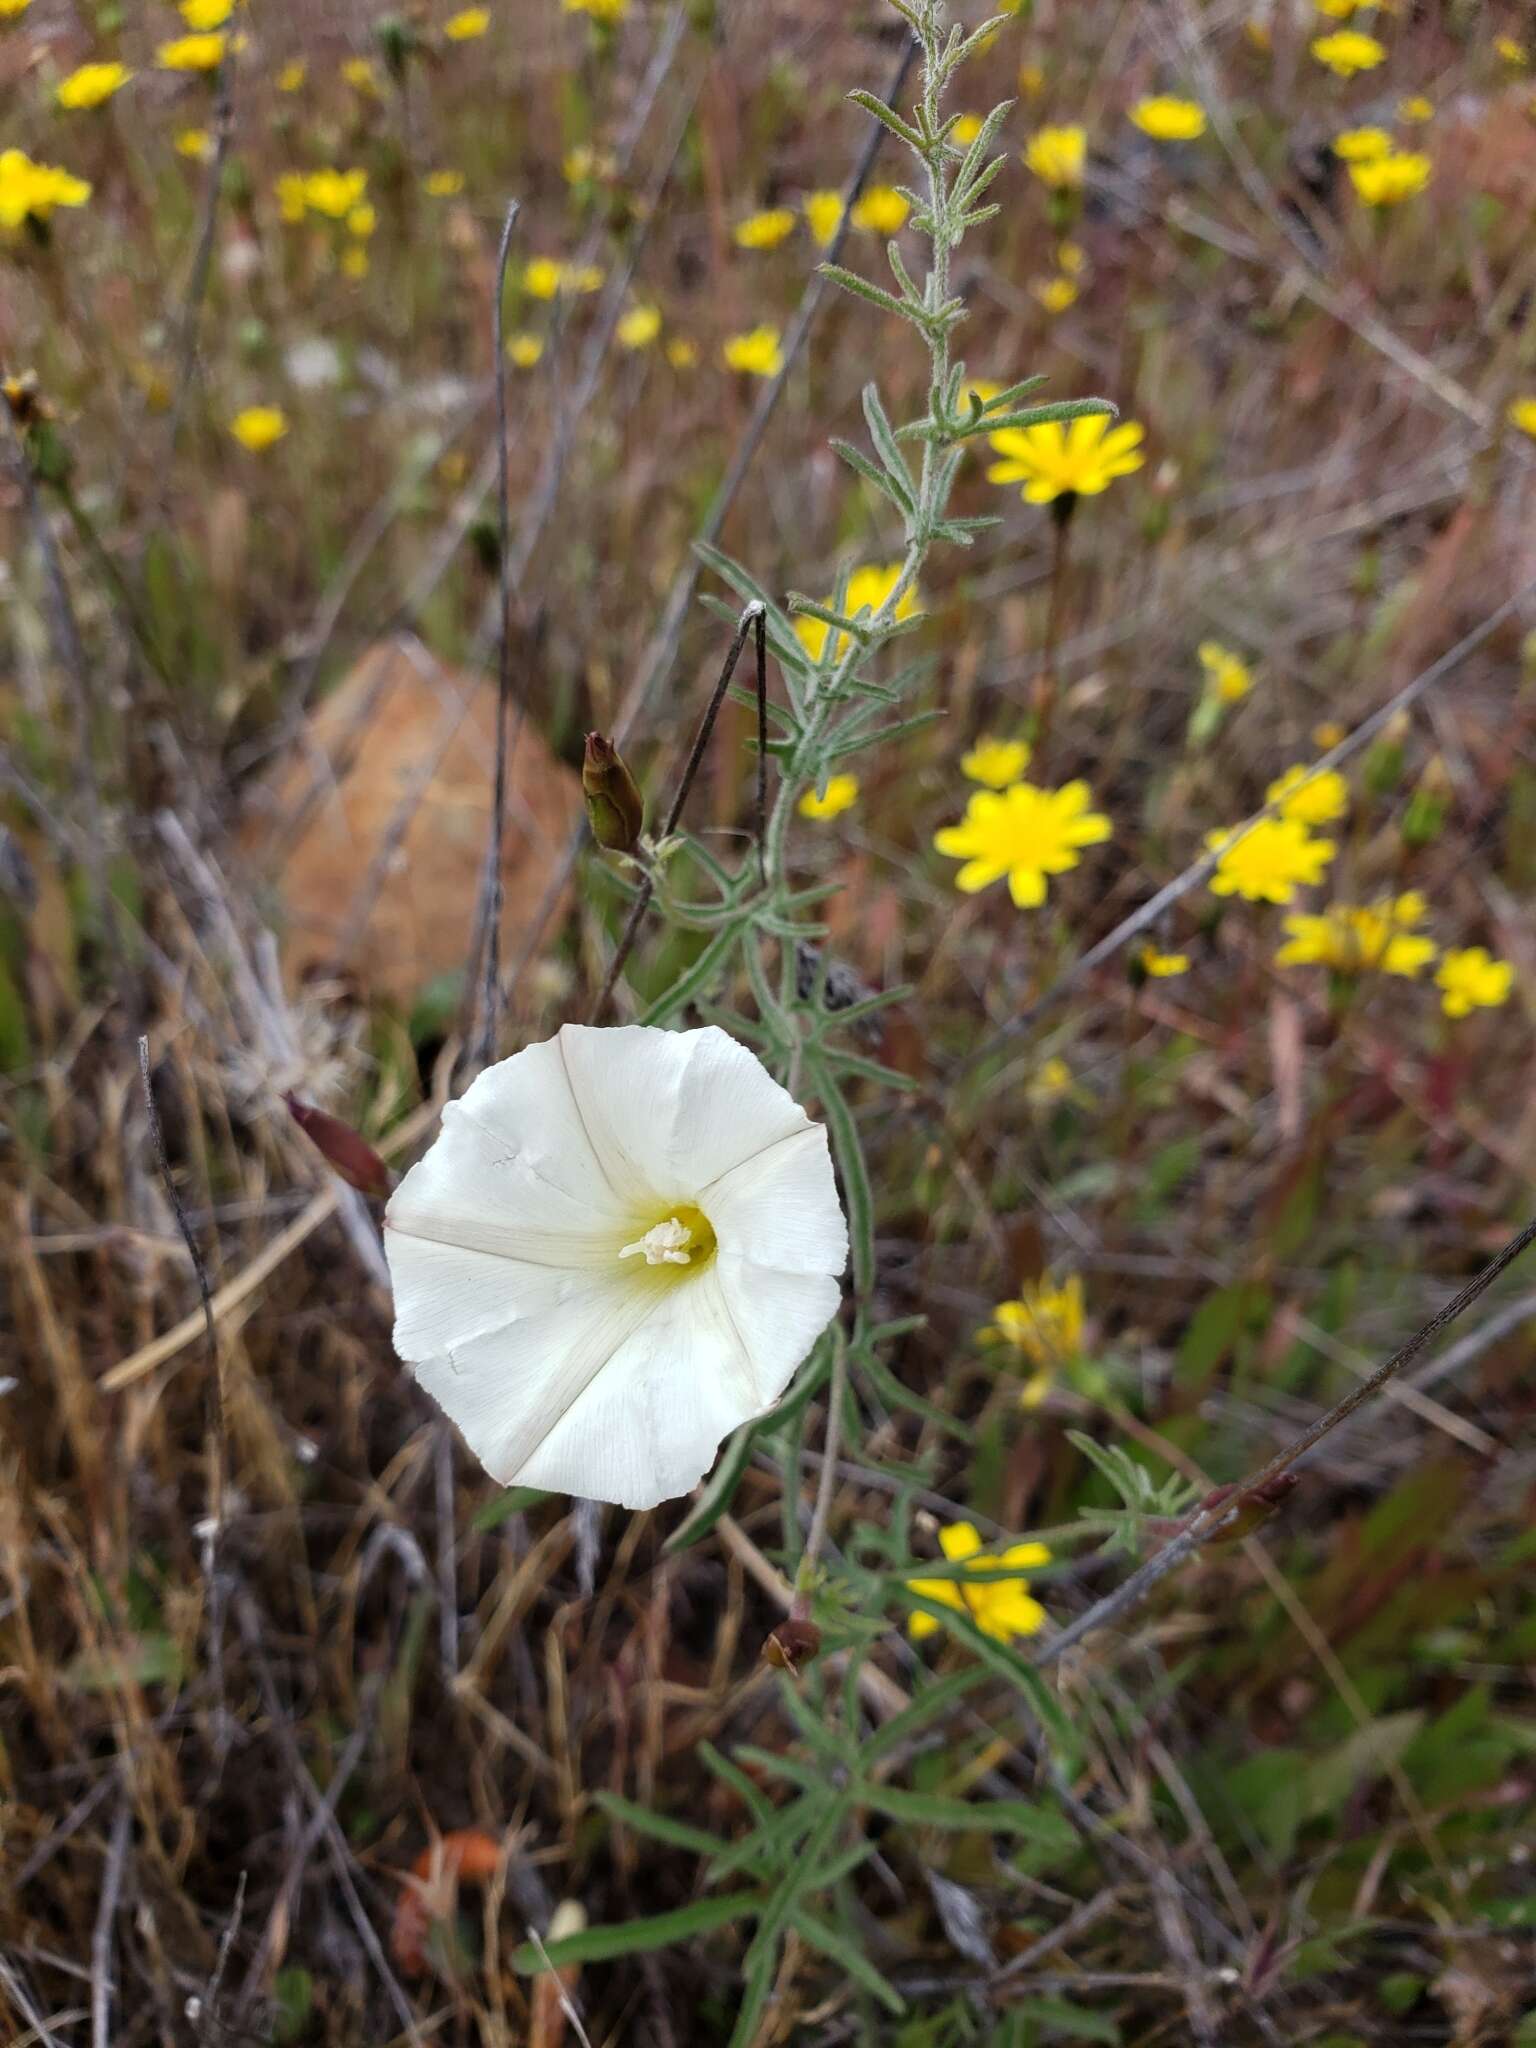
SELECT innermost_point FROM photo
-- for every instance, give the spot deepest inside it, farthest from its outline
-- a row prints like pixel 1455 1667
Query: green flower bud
pixel 397 41
pixel 615 807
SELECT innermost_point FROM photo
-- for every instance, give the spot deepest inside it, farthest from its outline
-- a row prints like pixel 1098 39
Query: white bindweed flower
pixel 620 1247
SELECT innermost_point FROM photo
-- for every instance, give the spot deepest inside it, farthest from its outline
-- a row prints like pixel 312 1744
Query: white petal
pixel 508 1389
pixel 777 1317
pixel 527 1102
pixel 447 1294
pixel 476 1187
pixel 780 1208
pixel 731 1109
pixel 626 1082
pixel 649 1424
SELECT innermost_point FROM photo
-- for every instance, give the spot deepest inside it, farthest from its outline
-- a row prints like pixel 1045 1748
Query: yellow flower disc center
pixel 682 1237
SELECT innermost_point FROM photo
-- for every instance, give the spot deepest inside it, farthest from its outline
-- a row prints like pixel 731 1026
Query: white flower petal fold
pixel 567 1361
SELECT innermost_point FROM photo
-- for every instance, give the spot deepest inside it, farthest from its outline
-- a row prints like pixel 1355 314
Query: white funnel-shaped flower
pixel 619 1248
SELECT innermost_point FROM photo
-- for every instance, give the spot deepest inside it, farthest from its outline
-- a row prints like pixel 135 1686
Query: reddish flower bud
pixel 340 1146
pixel 615 807
pixel 1253 1508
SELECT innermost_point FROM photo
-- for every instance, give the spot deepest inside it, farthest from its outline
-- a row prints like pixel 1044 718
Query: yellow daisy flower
pixel 996 763
pixel 91 84
pixel 756 354
pixel 1057 156
pixel 1355 938
pixel 1388 180
pixel 1001 1608
pixel 1025 834
pixel 259 426
pixel 1347 51
pixel 840 794
pixel 823 215
pixel 765 230
pixel 1081 456
pixel 1268 862
pixel 1227 675
pixel 882 210
pixel 192 53
pixel 1470 979
pixel 1321 801
pixel 1168 119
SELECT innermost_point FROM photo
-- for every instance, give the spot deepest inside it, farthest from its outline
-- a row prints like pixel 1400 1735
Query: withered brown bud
pixel 792 1645
pixel 25 399
pixel 341 1147
pixel 1254 1508
pixel 615 807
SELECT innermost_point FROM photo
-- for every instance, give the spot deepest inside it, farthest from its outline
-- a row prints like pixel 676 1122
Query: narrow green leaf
pixel 885 1382
pixel 719 1490
pixel 660 1827
pixel 772 1844
pixel 887 485
pixel 1011 1664
pixel 709 963
pixel 888 118
pixel 992 1816
pixel 844 1949
pixel 853 1066
pixel 863 289
pixel 639 1937
pixel 514 1501
pixel 926 1708
pixel 883 435
pixel 750 1794
pixel 1039 416
pixel 759 1965
pixel 856 1187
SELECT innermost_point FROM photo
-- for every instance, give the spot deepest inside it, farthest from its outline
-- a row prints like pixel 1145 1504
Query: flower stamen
pixel 664 1244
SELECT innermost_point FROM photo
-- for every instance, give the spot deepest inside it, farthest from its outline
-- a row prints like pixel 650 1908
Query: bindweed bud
pixel 397 43
pixel 1253 1509
pixel 792 1645
pixel 344 1151
pixel 1424 814
pixel 615 807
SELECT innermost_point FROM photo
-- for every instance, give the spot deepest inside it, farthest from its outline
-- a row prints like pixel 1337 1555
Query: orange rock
pixel 373 831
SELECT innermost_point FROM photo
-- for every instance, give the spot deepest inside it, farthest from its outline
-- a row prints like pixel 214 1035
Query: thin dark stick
pixel 752 616
pixel 482 1046
pixel 762 746
pixel 69 648
pixel 338 1849
pixel 202 261
pixel 210 2006
pixel 1208 1520
pixel 322 1816
pixel 101 1933
pixel 218 1420
pixel 821 1514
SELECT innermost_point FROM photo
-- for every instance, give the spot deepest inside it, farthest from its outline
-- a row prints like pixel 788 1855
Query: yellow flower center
pixel 683 1237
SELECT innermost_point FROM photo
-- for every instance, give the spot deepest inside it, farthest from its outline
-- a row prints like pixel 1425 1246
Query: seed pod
pixel 348 1154
pixel 615 807
pixel 793 1644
